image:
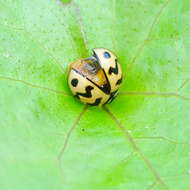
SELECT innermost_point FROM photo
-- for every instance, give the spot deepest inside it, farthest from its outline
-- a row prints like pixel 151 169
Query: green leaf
pixel 48 140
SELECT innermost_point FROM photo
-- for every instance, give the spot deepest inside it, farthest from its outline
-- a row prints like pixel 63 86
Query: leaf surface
pixel 48 140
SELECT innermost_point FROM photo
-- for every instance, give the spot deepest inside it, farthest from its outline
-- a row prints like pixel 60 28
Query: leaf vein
pixel 76 121
pixel 161 138
pixel 34 85
pixel 136 149
pixel 162 94
pixel 155 20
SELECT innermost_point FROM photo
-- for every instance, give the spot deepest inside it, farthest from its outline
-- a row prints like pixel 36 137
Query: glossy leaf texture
pixel 48 140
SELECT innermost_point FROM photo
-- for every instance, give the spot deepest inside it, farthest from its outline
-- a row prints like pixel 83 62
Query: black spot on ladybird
pixel 106 55
pixel 114 69
pixel 106 88
pixel 87 94
pixel 119 81
pixel 96 103
pixel 74 82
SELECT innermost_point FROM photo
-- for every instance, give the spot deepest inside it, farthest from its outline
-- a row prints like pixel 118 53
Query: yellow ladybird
pixel 95 80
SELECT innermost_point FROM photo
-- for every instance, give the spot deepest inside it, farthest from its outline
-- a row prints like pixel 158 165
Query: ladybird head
pixel 91 65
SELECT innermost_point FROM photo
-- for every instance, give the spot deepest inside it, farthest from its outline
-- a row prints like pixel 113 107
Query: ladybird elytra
pixel 95 80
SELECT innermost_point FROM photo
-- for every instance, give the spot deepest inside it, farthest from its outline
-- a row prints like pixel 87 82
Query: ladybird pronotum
pixel 95 80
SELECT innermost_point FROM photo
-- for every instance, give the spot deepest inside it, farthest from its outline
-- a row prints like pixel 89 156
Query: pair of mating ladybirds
pixel 95 80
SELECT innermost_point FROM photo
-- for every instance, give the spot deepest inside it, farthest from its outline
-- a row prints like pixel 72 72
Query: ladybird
pixel 95 80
